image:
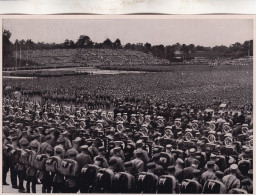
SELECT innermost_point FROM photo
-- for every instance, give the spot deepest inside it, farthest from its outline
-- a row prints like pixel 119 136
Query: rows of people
pixel 134 149
pixel 163 88
pixel 89 57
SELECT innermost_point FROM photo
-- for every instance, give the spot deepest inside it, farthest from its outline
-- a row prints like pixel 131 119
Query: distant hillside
pixel 85 57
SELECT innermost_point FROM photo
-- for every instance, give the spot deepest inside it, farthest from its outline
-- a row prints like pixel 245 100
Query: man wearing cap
pixel 118 144
pixel 119 167
pixel 24 143
pixel 130 188
pixel 169 152
pixel 187 172
pixel 11 161
pixel 178 169
pixel 191 158
pixel 219 177
pixel 196 179
pixel 104 163
pixel 144 157
pixel 156 158
pixel 138 162
pixel 228 171
pixel 210 173
pixel 83 158
pixel 175 183
pixel 230 180
pixel 213 157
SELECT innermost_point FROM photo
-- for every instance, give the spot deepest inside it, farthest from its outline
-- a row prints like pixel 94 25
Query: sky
pixel 205 32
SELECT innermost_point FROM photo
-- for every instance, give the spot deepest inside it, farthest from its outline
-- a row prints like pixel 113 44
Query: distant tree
pixel 66 43
pixel 128 46
pixel 108 43
pixel 191 48
pixel 84 41
pixel 7 46
pixel 147 47
pixel 248 47
pixel 117 44
pixel 185 51
pixel 71 44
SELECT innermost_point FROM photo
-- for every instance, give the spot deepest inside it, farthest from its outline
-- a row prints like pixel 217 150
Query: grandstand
pixel 88 57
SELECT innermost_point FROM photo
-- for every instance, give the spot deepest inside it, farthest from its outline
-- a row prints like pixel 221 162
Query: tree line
pixel 235 50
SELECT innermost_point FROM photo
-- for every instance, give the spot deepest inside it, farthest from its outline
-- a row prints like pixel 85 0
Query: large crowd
pixel 136 146
pixel 92 91
pixel 89 57
pixel 175 132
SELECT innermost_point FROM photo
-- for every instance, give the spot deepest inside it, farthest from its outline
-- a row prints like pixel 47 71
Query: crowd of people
pixel 90 57
pixel 135 145
pixel 198 87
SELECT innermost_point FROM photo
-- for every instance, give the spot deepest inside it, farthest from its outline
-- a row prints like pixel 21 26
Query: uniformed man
pixel 219 177
pixel 187 172
pixel 119 167
pixel 230 180
pixel 24 143
pixel 196 178
pixel 210 173
pixel 188 161
pixel 83 158
pixel 178 169
pixel 144 157
pixel 104 163
pixel 168 150
pixel 138 162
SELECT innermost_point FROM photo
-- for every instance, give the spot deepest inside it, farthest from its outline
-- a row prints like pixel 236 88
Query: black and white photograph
pixel 147 104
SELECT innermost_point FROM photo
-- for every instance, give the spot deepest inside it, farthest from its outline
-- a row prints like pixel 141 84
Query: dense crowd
pixel 139 146
pixel 90 57
pixel 97 91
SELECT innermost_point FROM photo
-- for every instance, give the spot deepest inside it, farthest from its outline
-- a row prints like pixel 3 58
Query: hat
pixel 233 167
pixel 213 156
pixel 169 146
pixel 128 164
pixel 34 144
pixel 231 161
pixel 151 165
pixel 171 168
pixel 192 151
pixel 210 164
pixel 84 147
pixel 117 149
pixel 179 133
pixel 24 141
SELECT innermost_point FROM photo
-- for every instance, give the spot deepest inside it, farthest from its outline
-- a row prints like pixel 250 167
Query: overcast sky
pixel 206 32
